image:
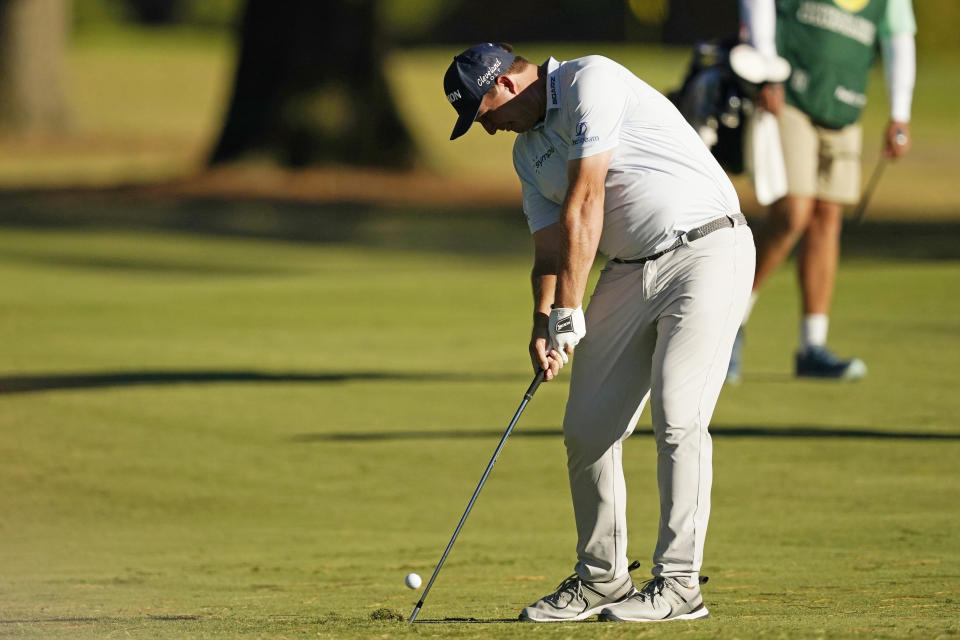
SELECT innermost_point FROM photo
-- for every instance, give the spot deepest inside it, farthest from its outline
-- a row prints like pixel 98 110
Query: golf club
pixel 526 398
pixel 868 192
pixel 900 138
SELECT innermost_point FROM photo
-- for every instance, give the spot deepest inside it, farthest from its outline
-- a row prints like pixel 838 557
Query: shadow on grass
pixel 466 621
pixel 492 230
pixel 138 264
pixel 717 431
pixel 52 620
pixel 159 618
pixel 17 384
pixel 462 230
pixel 52 382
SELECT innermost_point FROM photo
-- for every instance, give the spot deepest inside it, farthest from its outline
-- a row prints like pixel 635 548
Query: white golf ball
pixel 413 581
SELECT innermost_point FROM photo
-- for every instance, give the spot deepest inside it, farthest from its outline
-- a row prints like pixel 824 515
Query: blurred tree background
pixel 106 92
pixel 316 95
pixel 33 37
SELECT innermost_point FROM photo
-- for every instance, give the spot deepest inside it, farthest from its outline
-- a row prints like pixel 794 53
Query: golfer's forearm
pixel 582 225
pixel 544 281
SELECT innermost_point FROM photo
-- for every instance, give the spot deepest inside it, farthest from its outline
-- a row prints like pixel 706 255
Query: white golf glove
pixel 567 327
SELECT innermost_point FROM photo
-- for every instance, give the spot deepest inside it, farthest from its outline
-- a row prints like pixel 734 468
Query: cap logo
pixel 488 76
pixel 453 96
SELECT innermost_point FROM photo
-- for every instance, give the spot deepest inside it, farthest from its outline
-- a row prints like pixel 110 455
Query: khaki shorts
pixel 821 163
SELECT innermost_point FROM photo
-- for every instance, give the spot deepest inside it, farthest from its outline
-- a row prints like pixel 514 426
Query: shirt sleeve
pixel 898 19
pixel 594 104
pixel 759 21
pixel 539 211
pixel 900 69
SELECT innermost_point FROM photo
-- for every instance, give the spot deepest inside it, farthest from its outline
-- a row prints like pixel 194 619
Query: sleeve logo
pixel 582 137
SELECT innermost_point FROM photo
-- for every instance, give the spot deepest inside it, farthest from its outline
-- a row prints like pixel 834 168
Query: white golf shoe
pixel 577 599
pixel 659 600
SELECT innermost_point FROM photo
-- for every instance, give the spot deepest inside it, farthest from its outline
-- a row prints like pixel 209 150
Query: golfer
pixel 606 163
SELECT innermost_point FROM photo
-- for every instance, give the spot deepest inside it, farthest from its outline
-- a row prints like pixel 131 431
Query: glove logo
pixel 564 325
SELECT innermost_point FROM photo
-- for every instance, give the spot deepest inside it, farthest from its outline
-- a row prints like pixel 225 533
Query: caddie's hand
pixel 896 139
pixel 567 327
pixel 770 98
pixel 541 356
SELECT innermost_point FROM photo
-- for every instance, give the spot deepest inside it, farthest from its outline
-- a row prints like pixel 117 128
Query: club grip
pixel 537 379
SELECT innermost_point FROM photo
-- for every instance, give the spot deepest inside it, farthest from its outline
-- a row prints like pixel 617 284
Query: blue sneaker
pixel 818 362
pixel 733 369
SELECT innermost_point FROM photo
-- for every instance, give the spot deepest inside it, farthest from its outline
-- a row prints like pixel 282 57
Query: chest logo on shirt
pixel 538 163
pixel 853 6
pixel 582 137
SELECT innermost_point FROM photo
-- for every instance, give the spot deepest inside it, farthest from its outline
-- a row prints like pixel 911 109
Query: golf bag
pixel 716 102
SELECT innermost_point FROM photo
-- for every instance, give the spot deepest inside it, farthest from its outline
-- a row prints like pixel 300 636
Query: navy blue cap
pixel 470 76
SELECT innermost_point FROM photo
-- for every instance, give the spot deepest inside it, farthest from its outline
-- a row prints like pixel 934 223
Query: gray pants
pixel 661 330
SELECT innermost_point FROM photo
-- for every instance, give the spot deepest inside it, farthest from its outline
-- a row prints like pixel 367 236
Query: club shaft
pixel 871 187
pixel 526 399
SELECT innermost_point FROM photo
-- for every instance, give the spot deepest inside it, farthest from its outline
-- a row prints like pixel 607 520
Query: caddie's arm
pixel 900 67
pixel 759 23
pixel 898 44
pixel 581 223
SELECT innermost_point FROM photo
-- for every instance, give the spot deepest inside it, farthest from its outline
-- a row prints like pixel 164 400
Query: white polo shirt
pixel 662 180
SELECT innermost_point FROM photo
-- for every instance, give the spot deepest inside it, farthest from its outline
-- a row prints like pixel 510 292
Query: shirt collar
pixel 553 84
pixel 553 89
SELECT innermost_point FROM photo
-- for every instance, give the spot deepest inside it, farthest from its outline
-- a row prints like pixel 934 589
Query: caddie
pixel 608 164
pixel 831 46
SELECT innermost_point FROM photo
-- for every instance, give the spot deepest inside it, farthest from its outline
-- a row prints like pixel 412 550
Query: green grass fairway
pixel 217 436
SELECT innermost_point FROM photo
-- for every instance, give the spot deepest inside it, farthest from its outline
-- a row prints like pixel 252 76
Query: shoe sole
pixel 581 616
pixel 856 370
pixel 696 614
pixel 852 374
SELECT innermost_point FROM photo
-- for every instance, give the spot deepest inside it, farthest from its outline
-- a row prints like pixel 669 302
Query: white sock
pixel 750 303
pixel 813 330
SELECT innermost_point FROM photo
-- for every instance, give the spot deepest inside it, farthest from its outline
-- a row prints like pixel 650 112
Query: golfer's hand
pixel 540 354
pixel 896 139
pixel 770 98
pixel 567 327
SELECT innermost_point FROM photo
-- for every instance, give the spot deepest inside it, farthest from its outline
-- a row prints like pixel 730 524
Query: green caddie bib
pixel 831 46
